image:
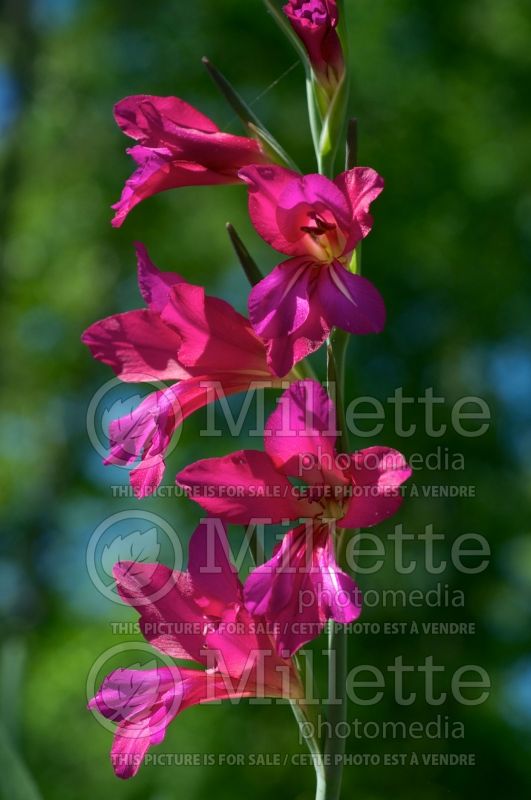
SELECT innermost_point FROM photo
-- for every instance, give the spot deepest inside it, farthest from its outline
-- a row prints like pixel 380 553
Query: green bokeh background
pixel 442 94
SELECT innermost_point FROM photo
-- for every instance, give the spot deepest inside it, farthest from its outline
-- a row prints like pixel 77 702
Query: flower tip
pixel 242 175
pixel 119 216
pixel 141 250
pixel 120 570
pixel 117 109
pixel 124 771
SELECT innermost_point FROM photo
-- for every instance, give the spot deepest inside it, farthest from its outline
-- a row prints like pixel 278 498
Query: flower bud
pixel 315 23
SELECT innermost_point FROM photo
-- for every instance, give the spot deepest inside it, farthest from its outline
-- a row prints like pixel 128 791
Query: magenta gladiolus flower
pixel 318 222
pixel 177 146
pixel 201 618
pixel 301 586
pixel 183 335
pixel 315 23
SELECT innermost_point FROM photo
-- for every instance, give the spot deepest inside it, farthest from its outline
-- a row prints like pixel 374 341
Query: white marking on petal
pixel 341 286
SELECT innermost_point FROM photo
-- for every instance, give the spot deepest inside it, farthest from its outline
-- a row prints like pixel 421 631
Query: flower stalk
pixel 337 346
pixel 307 733
pixel 200 344
pixel 334 746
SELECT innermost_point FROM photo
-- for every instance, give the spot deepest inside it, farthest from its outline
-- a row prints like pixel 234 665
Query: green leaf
pixel 271 146
pixel 255 127
pixel 333 125
pixel 248 264
pixel 236 102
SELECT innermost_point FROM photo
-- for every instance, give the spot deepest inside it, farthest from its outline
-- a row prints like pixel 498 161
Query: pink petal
pixel 213 576
pixel 235 645
pixel 376 473
pixel 300 434
pixel 147 432
pixel 186 135
pixel 128 751
pixel 143 703
pixel 309 193
pixel 266 184
pixel 333 297
pixel 222 153
pixel 289 309
pixel 247 655
pixel 240 488
pixel 178 146
pixel 145 118
pixel 349 301
pixel 214 338
pixel 170 617
pixel 361 185
pixel 159 173
pixel 283 352
pixel 340 596
pixel 154 285
pixel 137 345
pixel 300 588
pixel 145 480
pixel 280 304
pixel 284 312
pixel 126 693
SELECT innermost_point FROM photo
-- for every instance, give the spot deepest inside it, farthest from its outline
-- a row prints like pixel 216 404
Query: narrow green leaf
pixel 247 262
pixel 236 102
pixel 351 161
pixel 270 145
pixel 255 127
pixel 313 113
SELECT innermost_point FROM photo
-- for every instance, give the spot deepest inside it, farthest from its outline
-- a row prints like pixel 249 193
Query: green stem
pixel 337 710
pixel 326 132
pixel 315 121
pixel 337 644
pixel 313 746
pixel 336 355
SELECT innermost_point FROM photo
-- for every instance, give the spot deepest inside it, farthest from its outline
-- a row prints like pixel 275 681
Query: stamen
pixel 321 226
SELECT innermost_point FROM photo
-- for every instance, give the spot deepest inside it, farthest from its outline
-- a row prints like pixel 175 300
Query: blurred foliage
pixel 442 94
